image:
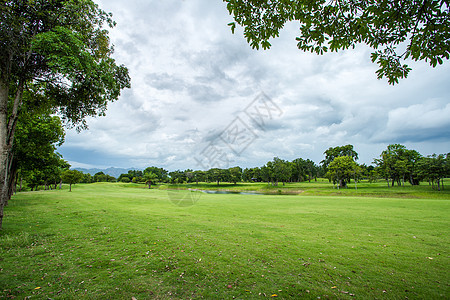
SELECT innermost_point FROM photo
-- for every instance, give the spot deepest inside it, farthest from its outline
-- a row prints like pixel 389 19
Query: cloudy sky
pixel 202 97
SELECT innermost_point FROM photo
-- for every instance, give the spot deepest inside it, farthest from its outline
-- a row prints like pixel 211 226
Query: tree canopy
pixel 396 30
pixel 341 169
pixel 71 177
pixel 333 152
pixel 62 50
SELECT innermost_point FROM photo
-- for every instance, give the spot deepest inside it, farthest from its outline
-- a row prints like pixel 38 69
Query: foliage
pixel 150 178
pixel 397 163
pixel 281 170
pixel 177 176
pixel 162 174
pixel 71 177
pixel 395 30
pixel 333 152
pixel 434 168
pixel 87 178
pixel 62 48
pixel 34 152
pixel 132 176
pixel 102 177
pixel 215 174
pixel 341 170
pixel 235 174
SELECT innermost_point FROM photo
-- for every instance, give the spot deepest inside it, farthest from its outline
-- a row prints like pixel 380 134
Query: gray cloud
pixel 164 81
pixel 419 123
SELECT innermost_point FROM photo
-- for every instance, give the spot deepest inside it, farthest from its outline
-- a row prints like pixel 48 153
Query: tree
pixel 311 169
pixel 235 174
pixel 87 178
pixel 398 163
pixel 333 152
pixel 215 174
pixel 281 170
pixel 395 29
pixel 177 176
pixel 341 169
pixel 251 174
pixel 34 155
pixel 102 177
pixel 299 169
pixel 266 172
pixel 434 169
pixel 71 177
pixel 161 173
pixel 199 176
pixel 124 179
pixel 60 51
pixel 412 157
pixel 150 178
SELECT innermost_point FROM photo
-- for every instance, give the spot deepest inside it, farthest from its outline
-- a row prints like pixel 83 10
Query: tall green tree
pixel 102 177
pixel 177 176
pixel 150 178
pixel 281 170
pixel 396 30
pixel 251 174
pixel 235 174
pixel 199 176
pixel 311 169
pixel 163 175
pixel 215 174
pixel 34 154
pixel 433 168
pixel 60 50
pixel 267 172
pixel 341 170
pixel 397 163
pixel 299 169
pixel 71 177
pixel 333 152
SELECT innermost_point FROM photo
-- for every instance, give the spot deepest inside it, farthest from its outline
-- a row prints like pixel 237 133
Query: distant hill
pixel 115 172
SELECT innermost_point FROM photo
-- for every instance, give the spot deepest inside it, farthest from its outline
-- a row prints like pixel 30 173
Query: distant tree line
pixel 39 165
pixel 396 164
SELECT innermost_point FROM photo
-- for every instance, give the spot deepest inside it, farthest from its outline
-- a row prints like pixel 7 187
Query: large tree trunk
pixel 4 91
pixel 7 129
pixel 12 181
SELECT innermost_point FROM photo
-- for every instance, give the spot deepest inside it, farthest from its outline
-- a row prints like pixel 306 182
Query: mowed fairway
pixel 118 241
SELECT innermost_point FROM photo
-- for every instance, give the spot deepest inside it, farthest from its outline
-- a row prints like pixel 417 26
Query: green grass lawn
pixel 117 241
